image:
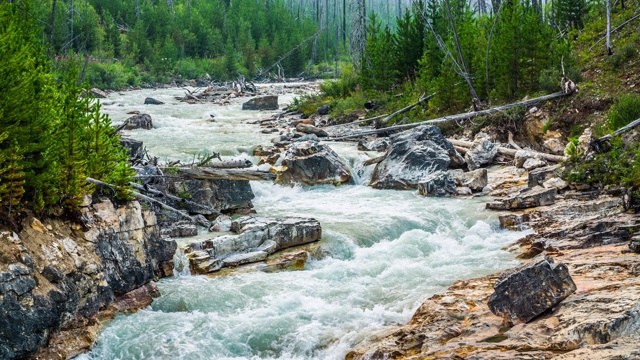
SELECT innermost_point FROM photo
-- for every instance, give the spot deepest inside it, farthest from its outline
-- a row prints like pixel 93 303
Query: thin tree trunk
pixel 344 22
pixel 608 4
pixel 71 24
pixel 52 27
pixel 466 75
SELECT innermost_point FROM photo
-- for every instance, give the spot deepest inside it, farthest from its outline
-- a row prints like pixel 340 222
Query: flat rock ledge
pixel 528 198
pixel 254 239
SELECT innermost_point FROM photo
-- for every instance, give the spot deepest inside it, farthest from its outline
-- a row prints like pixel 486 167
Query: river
pixel 387 252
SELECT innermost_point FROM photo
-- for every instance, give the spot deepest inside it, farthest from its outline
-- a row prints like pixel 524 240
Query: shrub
pixel 625 110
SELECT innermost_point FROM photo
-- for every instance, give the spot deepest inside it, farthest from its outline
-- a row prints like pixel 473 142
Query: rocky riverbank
pixel 60 278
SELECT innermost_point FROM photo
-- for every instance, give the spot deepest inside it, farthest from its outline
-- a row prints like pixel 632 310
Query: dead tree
pixel 608 5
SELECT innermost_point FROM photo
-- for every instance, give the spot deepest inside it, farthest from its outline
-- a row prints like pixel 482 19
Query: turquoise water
pixel 387 252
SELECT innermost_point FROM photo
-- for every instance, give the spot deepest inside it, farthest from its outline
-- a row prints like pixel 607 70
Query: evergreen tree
pixel 11 180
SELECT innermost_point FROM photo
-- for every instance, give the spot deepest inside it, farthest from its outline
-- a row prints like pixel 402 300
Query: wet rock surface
pixel 152 101
pixel 525 199
pixel 312 163
pixel 140 121
pixel 412 156
pixel 527 291
pixel 437 184
pixel 57 276
pixel 254 239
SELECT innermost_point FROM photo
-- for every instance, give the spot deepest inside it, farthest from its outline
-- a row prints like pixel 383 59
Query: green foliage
pixel 623 55
pixel 53 136
pixel 625 110
pixel 620 166
pixel 342 87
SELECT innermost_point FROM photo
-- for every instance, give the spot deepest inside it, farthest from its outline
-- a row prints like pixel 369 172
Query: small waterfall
pixel 180 263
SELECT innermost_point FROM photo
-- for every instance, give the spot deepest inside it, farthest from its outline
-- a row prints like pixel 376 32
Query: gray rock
pixel 538 176
pixel 527 291
pixel 374 145
pixel 475 180
pixel 307 137
pixel 262 103
pixel 520 157
pixel 148 174
pixel 312 163
pixel 413 155
pixel 464 191
pixel 556 183
pixel 152 101
pixel 324 110
pixel 140 121
pixel 180 229
pixel 97 93
pixel 527 198
pixel 135 148
pixel 634 244
pixel 265 150
pixel 254 239
pixel 437 184
pixel 310 129
pixel 221 224
pixel 514 221
pixel 481 153
pixel 555 146
pixel 533 163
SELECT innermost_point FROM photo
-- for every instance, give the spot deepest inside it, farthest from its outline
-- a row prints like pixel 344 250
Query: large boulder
pixel 412 156
pixel 475 180
pixel 312 163
pixel 254 240
pixel 152 101
pixel 525 199
pixel 140 121
pixel 437 184
pixel 262 103
pixel 481 153
pixel 527 291
pixel 135 148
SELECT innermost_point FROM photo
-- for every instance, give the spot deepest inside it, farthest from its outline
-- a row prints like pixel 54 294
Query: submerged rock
pixel 254 239
pixel 525 199
pixel 437 184
pixel 312 163
pixel 413 155
pixel 262 103
pixel 140 121
pixel 527 291
pixel 152 101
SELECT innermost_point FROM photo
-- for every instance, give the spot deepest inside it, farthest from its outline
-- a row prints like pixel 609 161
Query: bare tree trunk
pixel 466 74
pixel 52 27
pixel 358 33
pixel 608 4
pixel 137 9
pixel 344 22
pixel 71 24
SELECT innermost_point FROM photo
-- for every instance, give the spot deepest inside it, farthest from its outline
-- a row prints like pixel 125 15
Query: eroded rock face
pixel 311 163
pixel 262 103
pixel 413 155
pixel 140 121
pixel 437 184
pixel 55 276
pixel 254 240
pixel 525 199
pixel 527 291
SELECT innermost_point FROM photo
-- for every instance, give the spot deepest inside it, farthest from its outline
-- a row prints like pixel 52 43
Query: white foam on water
pixel 388 251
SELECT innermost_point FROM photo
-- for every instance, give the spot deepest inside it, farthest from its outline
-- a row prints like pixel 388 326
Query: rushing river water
pixel 388 251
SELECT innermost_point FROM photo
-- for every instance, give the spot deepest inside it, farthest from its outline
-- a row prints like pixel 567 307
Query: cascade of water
pixel 180 263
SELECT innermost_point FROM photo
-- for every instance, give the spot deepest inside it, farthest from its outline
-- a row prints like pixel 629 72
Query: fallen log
pixel 226 174
pixel 143 197
pixel 172 197
pixel 456 117
pixel 230 164
pixel 614 31
pixel 621 131
pixel 357 121
pixel 374 160
pixel 408 108
pixel 508 152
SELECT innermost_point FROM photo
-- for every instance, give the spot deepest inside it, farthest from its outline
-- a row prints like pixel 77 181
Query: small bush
pixel 342 87
pixel 621 56
pixel 625 110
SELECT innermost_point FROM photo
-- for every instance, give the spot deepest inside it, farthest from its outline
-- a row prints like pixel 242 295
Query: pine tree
pixel 11 180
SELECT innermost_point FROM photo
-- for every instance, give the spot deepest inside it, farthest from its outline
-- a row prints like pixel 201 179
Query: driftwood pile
pixel 219 93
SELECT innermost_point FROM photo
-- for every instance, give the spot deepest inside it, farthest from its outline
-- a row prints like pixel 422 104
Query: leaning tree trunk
pixel 608 4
